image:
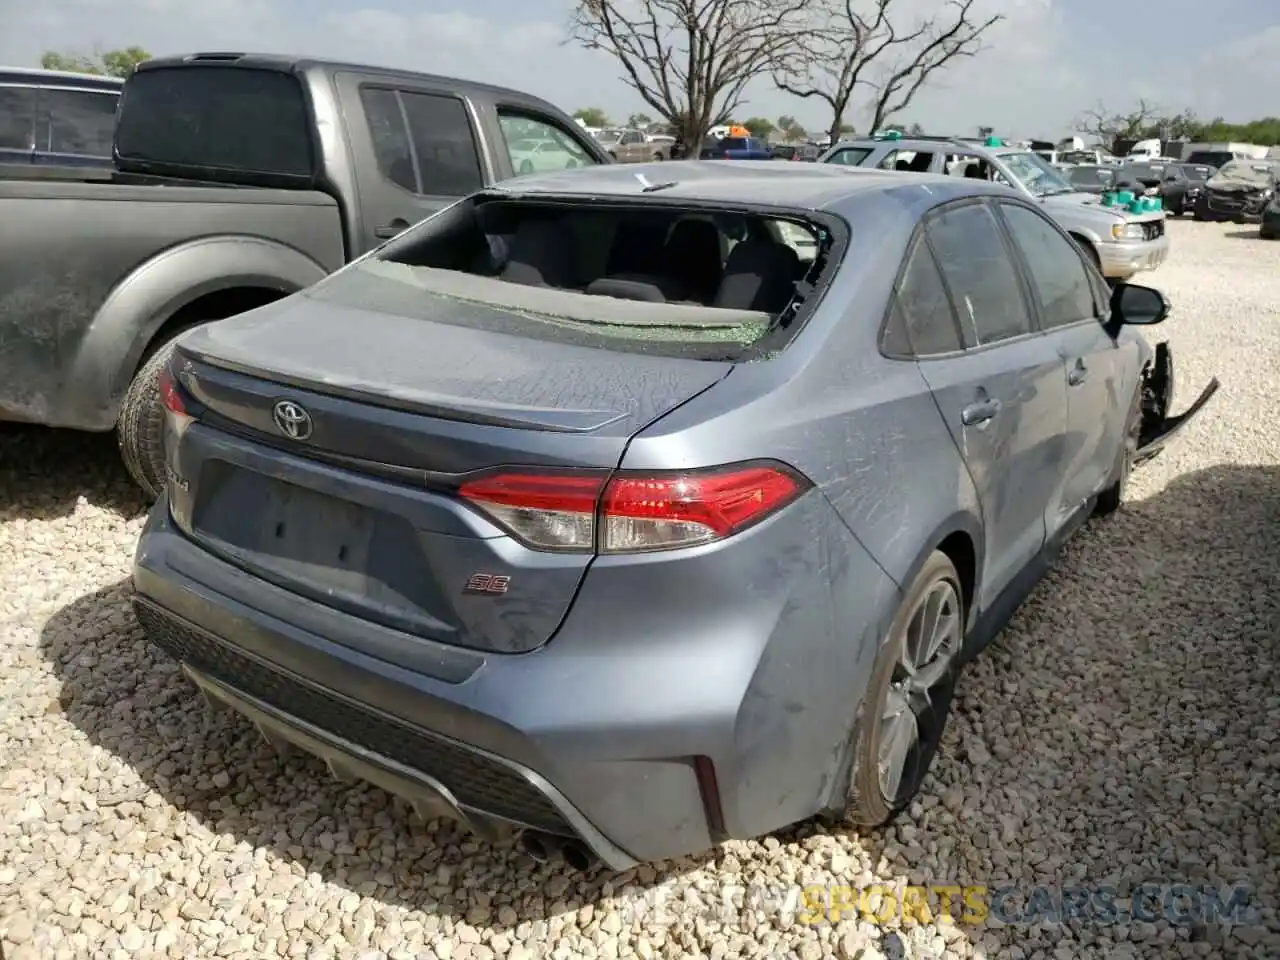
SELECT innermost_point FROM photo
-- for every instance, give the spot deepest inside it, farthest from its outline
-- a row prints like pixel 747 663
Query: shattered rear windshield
pixel 655 278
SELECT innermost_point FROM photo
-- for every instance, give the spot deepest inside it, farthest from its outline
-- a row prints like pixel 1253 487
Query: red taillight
pixel 549 511
pixel 170 394
pixel 633 512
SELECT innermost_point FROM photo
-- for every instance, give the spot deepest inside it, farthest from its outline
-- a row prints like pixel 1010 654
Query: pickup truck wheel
pixel 140 427
pixel 659 157
pixel 1089 249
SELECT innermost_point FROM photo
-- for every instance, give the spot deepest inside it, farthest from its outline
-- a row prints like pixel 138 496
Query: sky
pixel 1045 64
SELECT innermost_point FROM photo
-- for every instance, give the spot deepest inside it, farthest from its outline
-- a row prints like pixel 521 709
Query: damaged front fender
pixel 1158 425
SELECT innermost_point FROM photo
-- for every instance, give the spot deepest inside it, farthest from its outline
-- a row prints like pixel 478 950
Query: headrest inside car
pixel 626 290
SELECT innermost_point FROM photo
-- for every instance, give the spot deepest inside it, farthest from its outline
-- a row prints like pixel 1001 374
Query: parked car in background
pixel 1167 181
pixel 1095 157
pixel 1238 191
pixel 1178 185
pixel 53 117
pixel 1120 243
pixel 806 152
pixel 634 146
pixel 1214 158
pixel 417 514
pixel 736 148
pixel 240 180
pixel 1090 178
pixel 1269 224
pixel 540 155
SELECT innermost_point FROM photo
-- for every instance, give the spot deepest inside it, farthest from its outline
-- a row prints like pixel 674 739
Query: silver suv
pixel 1120 243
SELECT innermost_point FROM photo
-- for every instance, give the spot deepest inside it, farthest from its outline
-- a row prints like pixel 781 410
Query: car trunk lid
pixel 329 442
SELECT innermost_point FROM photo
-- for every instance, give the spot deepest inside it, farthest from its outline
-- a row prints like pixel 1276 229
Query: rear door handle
pixel 1078 374
pixel 391 229
pixel 976 414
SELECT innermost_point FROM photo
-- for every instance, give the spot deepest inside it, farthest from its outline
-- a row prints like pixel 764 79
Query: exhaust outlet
pixel 536 845
pixel 577 856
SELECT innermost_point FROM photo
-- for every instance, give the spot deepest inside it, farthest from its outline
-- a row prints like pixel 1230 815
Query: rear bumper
pixel 605 734
pixel 1124 259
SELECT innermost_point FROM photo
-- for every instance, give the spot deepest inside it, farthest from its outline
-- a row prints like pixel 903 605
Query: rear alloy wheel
pixel 909 697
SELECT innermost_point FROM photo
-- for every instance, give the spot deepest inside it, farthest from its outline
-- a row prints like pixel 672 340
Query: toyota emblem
pixel 292 420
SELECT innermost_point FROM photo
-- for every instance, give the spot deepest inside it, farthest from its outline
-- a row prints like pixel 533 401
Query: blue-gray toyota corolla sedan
pixel 630 509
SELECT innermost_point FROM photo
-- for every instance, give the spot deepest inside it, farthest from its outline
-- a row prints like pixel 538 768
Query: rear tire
pixel 140 426
pixel 892 700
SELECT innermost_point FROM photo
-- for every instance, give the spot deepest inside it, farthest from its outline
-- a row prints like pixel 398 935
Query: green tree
pixel 592 116
pixel 691 60
pixel 110 63
pixel 759 127
pixel 639 120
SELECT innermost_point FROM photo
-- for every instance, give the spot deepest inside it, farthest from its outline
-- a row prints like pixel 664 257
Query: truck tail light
pixel 633 512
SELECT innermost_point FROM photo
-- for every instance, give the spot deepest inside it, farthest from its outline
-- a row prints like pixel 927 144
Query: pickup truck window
pixel 17 116
pixel 423 142
pixel 216 118
pixel 79 122
pixel 536 145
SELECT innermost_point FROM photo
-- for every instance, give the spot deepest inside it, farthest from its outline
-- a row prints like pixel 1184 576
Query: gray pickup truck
pixel 238 180
pixel 1119 242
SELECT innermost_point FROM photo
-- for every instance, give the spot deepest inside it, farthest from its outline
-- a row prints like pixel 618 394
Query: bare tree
pixel 861 45
pixel 1107 127
pixel 691 60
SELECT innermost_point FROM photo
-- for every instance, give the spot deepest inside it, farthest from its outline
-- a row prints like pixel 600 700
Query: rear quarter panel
pixel 868 433
pixel 89 271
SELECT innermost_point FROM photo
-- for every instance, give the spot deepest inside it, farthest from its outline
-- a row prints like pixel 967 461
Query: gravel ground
pixel 1122 731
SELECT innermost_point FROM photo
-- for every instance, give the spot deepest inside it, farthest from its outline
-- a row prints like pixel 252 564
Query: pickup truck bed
pixel 71 330
pixel 237 180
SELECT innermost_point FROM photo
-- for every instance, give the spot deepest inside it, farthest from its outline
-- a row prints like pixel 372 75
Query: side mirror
pixel 1136 305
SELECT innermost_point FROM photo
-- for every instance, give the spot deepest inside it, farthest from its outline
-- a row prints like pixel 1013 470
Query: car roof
pixel 286 63
pixel 755 183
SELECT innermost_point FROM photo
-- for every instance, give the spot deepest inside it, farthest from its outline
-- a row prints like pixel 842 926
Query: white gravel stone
pixel 1124 730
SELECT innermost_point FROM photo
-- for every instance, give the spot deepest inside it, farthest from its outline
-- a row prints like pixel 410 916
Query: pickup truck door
pixel 17 123
pixel 414 150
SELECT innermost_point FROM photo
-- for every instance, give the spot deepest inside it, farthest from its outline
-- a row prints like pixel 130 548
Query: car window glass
pixel 926 311
pixel 17 117
pixel 1057 272
pixel 557 150
pixel 850 156
pixel 448 162
pixel 79 122
pixel 390 137
pixel 983 283
pixel 889 160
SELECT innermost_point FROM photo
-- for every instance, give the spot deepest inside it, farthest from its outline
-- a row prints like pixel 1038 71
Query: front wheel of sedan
pixel 1110 499
pixel 909 696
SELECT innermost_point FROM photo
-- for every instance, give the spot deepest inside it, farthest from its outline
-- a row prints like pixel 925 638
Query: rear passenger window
pixel 928 319
pixel 390 137
pixel 1062 285
pixel 448 163
pixel 78 122
pixel 983 283
pixel 17 117
pixel 437 135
